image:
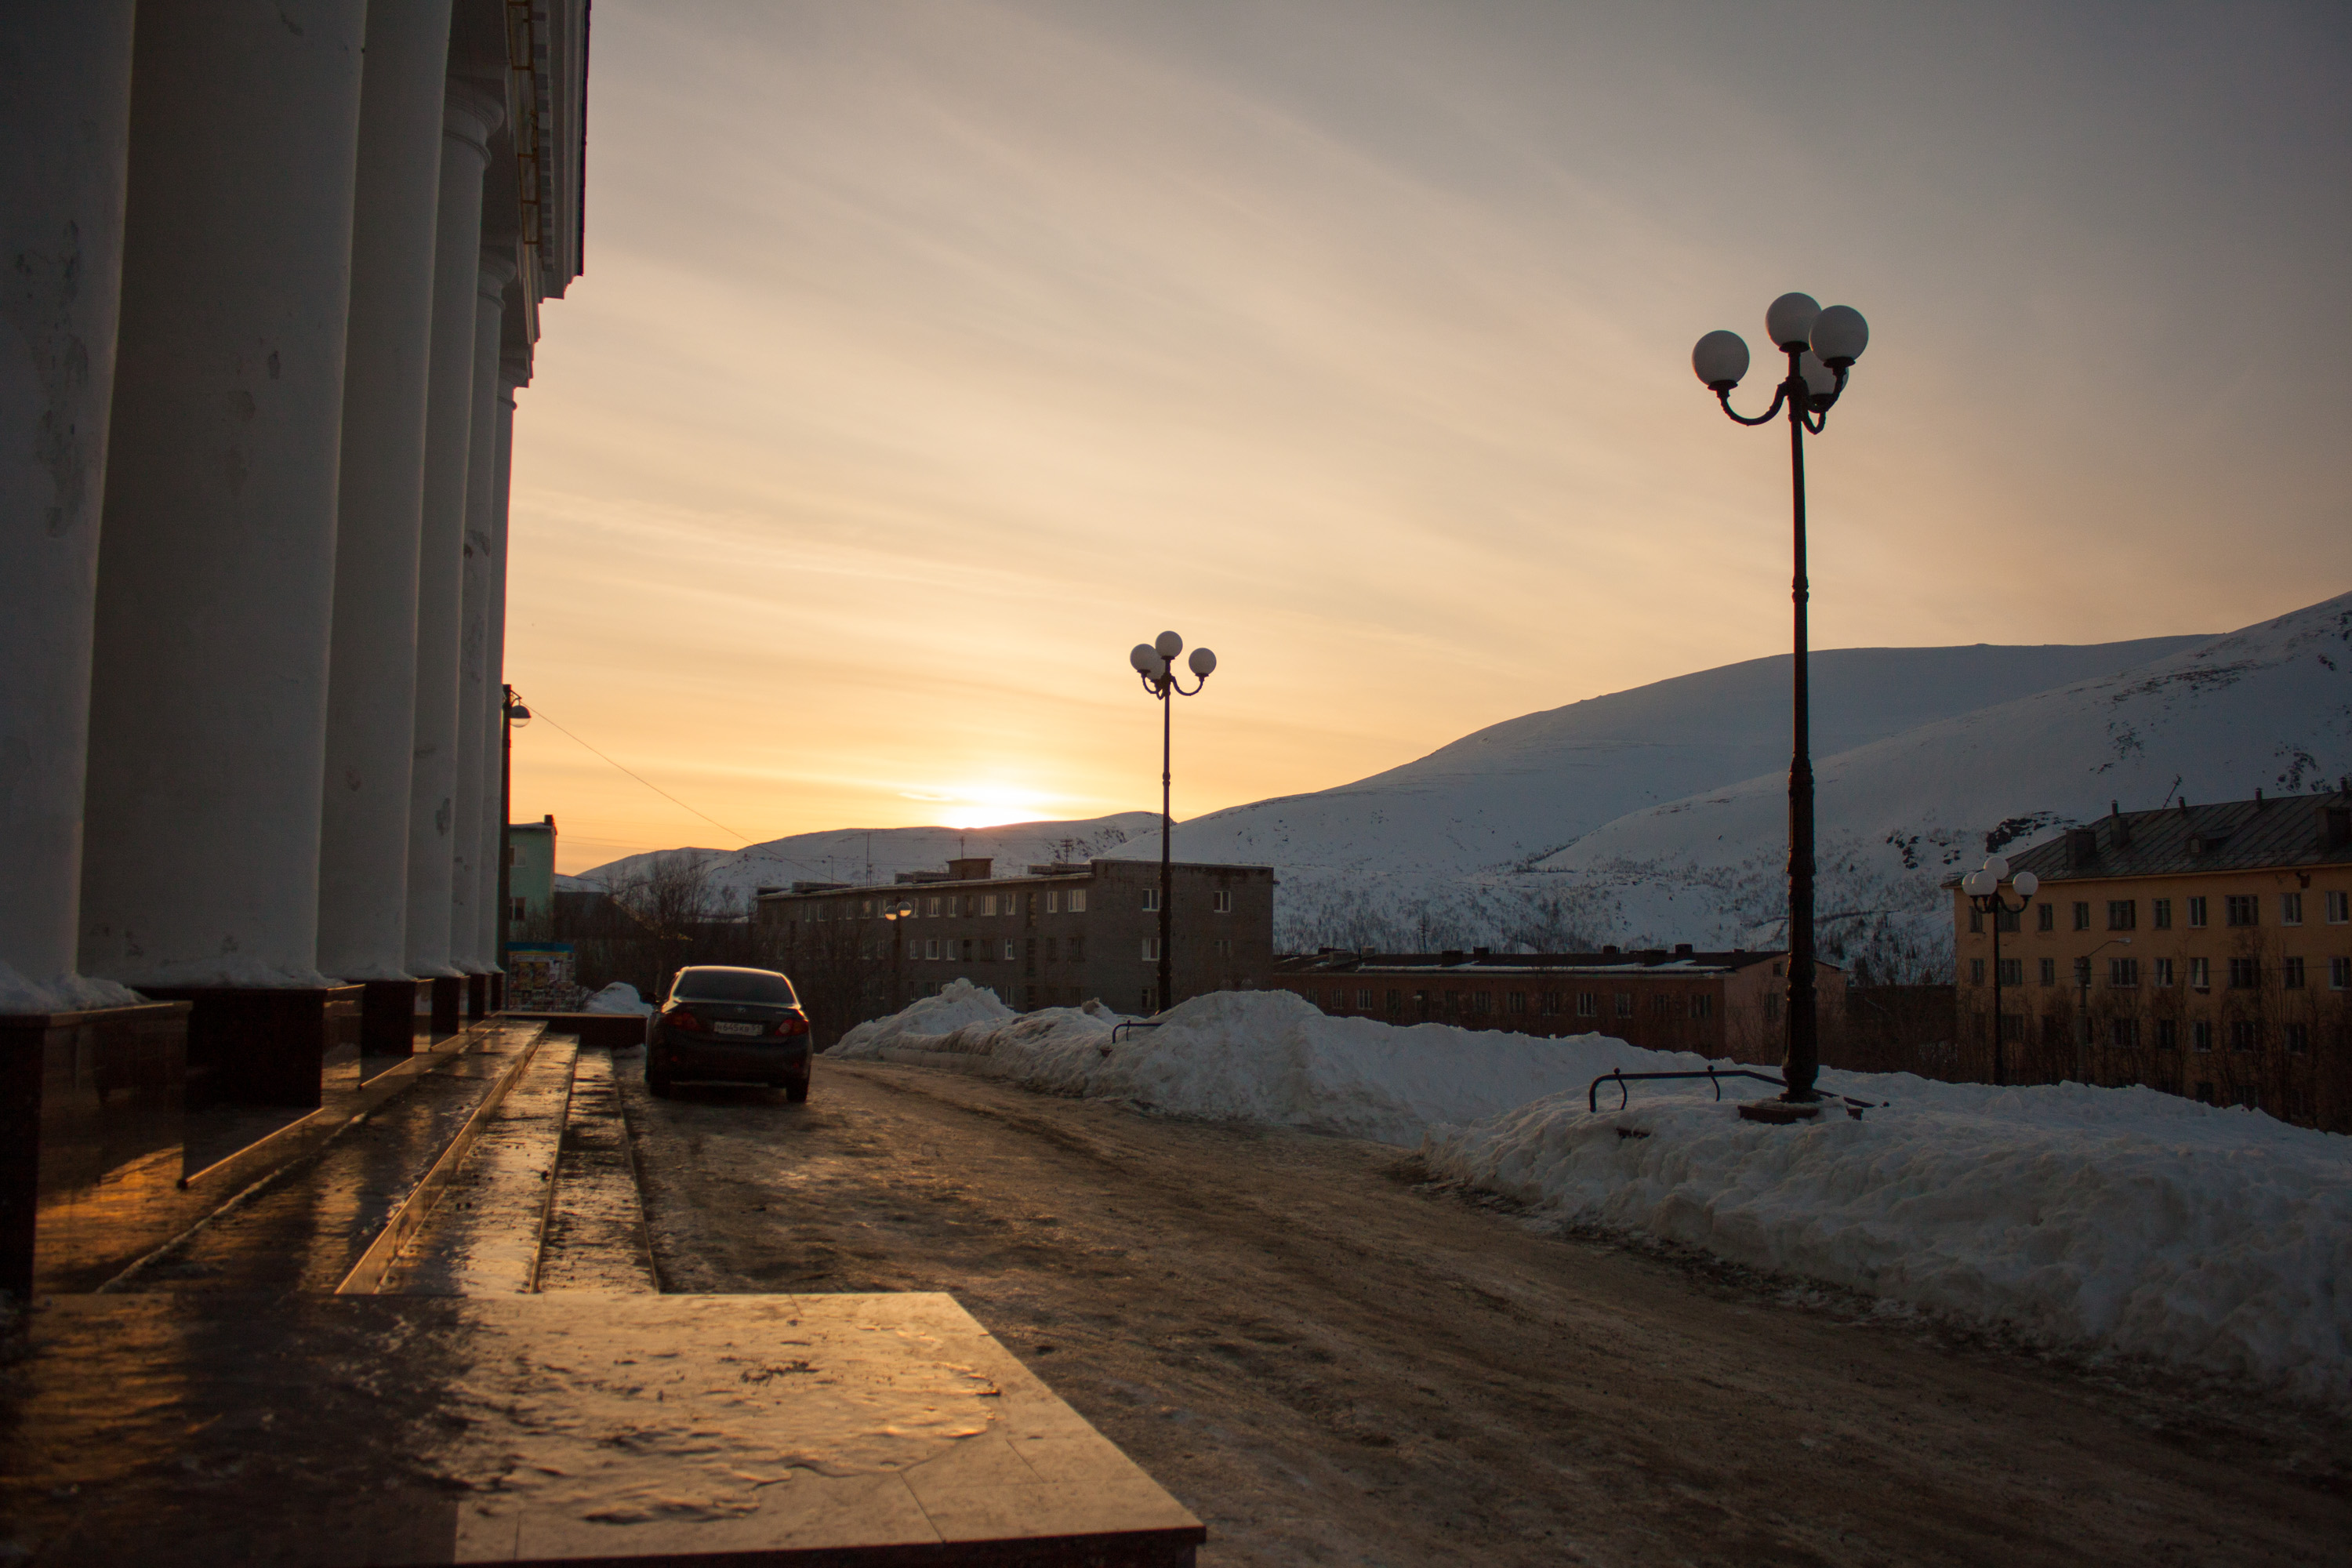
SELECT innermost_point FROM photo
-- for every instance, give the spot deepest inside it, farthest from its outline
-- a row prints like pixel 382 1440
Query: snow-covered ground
pixel 2122 1220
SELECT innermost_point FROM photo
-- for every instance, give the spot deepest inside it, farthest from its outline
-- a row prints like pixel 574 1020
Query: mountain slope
pixel 1522 789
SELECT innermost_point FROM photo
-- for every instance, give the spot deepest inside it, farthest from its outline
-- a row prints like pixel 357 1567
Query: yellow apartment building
pixel 2205 951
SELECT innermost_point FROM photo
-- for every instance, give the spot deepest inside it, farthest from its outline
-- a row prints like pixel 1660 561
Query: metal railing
pixel 1714 1076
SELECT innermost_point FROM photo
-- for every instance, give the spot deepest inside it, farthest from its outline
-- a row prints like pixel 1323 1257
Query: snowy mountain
pixel 877 855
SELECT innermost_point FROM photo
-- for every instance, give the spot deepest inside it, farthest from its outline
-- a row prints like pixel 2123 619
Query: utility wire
pixel 542 713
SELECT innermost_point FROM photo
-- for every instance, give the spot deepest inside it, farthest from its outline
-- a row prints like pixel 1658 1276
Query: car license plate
pixel 735 1028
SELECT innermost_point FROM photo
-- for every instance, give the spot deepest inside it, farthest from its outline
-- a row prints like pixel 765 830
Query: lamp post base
pixel 1779 1112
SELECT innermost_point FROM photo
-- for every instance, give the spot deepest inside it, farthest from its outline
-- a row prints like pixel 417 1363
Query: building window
pixel 1516 1002
pixel 2046 917
pixel 1976 970
pixel 1053 902
pixel 1624 1003
pixel 1363 1001
pixel 1077 900
pixel 931 948
pixel 1659 1005
pixel 521 908
pixel 2167 1035
pixel 2339 908
pixel 2082 974
pixel 2049 972
pixel 2164 971
pixel 2290 909
pixel 2123 914
pixel 2201 974
pixel 988 903
pixel 2122 974
pixel 1702 1006
pixel 1396 1002
pixel 1077 950
pixel 1221 902
pixel 1008 949
pixel 2244 974
pixel 1150 949
pixel 2291 972
pixel 1976 921
pixel 2201 1035
pixel 1485 1002
pixel 1143 1000
pixel 2243 910
pixel 2123 1034
pixel 1551 1002
pixel 1151 900
pixel 2159 913
pixel 2245 1034
pixel 2295 1037
pixel 2082 916
pixel 2339 973
pixel 931 908
pixel 1588 1004
pixel 2197 913
pixel 1224 947
pixel 2012 972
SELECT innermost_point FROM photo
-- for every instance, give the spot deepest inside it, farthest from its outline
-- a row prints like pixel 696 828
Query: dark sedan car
pixel 742 1025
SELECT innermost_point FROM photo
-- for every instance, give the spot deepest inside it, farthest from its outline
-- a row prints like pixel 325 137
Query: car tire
pixel 796 1090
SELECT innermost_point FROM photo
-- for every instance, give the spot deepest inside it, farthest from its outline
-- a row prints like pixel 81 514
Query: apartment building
pixel 1054 935
pixel 1717 1004
pixel 2205 951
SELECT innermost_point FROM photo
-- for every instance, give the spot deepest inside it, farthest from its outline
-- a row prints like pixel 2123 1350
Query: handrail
pixel 1132 1024
pixel 1714 1074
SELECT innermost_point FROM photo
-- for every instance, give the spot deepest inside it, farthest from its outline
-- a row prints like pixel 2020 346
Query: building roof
pixel 1682 961
pixel 2228 835
pixel 1036 876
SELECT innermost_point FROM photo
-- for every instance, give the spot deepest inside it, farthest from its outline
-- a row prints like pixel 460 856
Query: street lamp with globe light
pixel 1983 888
pixel 893 915
pixel 1822 346
pixel 1155 663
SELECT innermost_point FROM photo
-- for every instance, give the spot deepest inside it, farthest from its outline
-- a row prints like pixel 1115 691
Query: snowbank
pixel 1255 1056
pixel 2126 1220
pixel 619 997
pixel 65 993
pixel 2208 1237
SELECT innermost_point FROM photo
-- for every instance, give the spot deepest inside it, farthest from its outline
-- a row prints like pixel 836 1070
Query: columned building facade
pixel 274 274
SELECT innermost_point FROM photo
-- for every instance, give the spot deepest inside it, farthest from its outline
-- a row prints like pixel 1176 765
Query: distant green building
pixel 530 878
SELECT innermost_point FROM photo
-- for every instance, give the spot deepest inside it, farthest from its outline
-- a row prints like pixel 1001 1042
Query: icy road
pixel 1331 1360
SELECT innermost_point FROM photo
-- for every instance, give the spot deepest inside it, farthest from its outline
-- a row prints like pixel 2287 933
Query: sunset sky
pixel 930 355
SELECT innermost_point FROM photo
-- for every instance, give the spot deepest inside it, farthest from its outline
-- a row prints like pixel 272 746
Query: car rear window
pixel 734 985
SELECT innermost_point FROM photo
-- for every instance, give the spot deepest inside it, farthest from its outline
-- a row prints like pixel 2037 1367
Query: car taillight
pixel 680 1018
pixel 792 1024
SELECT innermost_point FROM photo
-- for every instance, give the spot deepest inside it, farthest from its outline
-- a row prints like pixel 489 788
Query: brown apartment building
pixel 1055 935
pixel 2205 951
pixel 1716 1003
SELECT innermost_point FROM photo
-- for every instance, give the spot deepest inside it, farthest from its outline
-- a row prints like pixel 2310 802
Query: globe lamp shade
pixel 1202 662
pixel 1840 335
pixel 1974 884
pixel 2026 883
pixel 1720 359
pixel 1789 321
pixel 1169 644
pixel 1145 658
pixel 1996 866
pixel 520 715
pixel 1821 381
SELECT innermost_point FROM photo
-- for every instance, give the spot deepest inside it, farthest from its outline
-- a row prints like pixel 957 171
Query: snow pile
pixel 619 997
pixel 1255 1056
pixel 67 992
pixel 2208 1237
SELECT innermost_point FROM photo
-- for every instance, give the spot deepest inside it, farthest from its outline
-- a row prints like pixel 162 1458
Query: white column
pixel 471 114
pixel 208 697
pixel 371 681
pixel 465 922
pixel 494 804
pixel 64 129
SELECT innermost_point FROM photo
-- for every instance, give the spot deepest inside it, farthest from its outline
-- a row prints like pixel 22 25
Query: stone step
pixel 480 1232
pixel 596 1234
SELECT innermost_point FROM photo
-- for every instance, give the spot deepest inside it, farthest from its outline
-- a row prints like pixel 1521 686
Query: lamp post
pixel 893 914
pixel 512 716
pixel 1155 664
pixel 1822 346
pixel 1983 888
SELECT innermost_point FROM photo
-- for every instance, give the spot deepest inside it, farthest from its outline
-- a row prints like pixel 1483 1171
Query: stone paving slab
pixel 578 1427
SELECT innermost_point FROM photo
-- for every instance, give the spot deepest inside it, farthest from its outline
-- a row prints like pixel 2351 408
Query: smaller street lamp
pixel 1155 663
pixel 1983 888
pixel 512 716
pixel 893 915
